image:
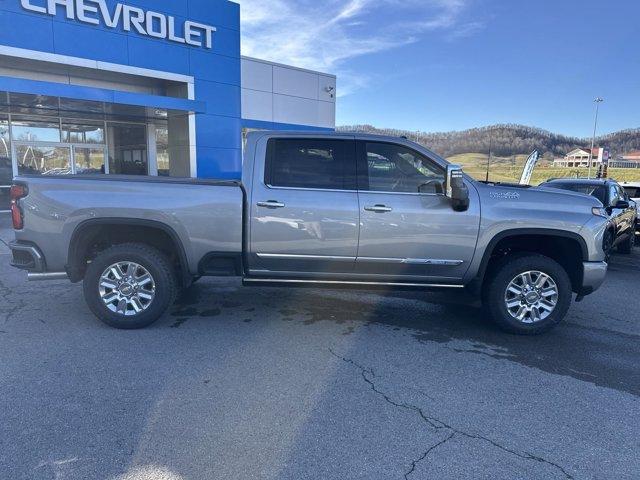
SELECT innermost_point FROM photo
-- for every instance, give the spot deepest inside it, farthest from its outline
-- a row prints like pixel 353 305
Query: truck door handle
pixel 379 209
pixel 271 204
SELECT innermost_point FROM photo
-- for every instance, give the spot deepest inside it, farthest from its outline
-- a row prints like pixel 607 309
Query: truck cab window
pixel 394 168
pixel 307 163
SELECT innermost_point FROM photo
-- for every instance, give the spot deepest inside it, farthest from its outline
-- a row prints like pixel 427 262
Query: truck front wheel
pixel 129 286
pixel 528 294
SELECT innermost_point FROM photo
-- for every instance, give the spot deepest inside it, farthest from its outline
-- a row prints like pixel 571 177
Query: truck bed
pixel 205 215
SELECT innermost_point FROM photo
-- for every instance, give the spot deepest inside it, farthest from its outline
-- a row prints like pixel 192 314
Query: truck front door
pixel 409 231
pixel 304 208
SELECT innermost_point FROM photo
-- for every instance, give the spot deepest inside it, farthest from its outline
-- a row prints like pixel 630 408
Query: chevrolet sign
pixel 147 23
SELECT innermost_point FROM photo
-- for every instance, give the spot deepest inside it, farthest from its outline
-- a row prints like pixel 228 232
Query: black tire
pixel 626 247
pixel 509 268
pixel 607 244
pixel 156 265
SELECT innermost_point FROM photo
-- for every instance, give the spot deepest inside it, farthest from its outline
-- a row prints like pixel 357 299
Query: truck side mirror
pixel 455 188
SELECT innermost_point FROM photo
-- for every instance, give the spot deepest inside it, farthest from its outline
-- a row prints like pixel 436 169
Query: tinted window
pixel 394 168
pixel 633 192
pixel 307 163
pixel 598 191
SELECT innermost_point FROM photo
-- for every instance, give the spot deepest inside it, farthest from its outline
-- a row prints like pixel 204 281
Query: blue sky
pixel 440 65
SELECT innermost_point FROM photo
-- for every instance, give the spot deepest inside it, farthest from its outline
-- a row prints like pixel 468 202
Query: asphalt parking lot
pixel 308 384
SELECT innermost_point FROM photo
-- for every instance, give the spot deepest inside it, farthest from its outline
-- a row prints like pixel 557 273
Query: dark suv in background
pixel 618 207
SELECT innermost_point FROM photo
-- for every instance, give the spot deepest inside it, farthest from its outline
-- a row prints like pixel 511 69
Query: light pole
pixel 597 101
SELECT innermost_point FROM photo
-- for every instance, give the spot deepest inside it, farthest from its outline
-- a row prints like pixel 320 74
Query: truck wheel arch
pixel 86 230
pixel 525 236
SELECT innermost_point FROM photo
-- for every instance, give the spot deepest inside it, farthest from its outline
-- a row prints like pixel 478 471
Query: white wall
pixel 279 93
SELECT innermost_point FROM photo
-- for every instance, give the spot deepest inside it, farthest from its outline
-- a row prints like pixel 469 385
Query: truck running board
pixel 342 283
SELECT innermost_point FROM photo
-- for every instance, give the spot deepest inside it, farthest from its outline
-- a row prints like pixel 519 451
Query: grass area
pixel 509 169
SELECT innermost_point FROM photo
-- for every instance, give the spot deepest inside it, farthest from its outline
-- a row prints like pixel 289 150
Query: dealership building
pixel 146 87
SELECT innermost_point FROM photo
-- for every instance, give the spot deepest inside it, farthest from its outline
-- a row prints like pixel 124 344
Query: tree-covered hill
pixel 507 140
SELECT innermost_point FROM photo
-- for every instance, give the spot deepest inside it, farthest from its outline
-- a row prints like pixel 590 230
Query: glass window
pixel 598 191
pixel 127 148
pixel 162 152
pixel 633 192
pixel 394 168
pixel 306 163
pixel 613 195
pixel 34 160
pixel 83 133
pixel 6 169
pixel 88 160
pixel 35 131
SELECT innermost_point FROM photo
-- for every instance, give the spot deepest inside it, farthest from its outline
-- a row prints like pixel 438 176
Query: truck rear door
pixel 304 214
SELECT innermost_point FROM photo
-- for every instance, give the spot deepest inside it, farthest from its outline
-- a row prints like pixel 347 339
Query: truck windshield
pixel 598 191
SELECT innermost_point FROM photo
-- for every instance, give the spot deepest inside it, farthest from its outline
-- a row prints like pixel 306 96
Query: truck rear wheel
pixel 129 286
pixel 528 294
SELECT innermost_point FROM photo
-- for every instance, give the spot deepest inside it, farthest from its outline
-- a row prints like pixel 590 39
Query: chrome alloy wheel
pixel 531 297
pixel 127 288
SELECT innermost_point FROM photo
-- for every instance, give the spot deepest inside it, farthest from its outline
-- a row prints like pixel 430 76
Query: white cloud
pixel 324 35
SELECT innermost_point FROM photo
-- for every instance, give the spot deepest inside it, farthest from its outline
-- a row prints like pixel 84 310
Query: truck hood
pixel 539 194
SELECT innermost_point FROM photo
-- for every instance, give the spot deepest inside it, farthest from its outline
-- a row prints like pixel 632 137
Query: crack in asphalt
pixel 13 306
pixel 438 424
pixel 415 463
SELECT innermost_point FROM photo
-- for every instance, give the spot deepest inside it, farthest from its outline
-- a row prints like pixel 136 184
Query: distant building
pixel 580 158
pixel 628 160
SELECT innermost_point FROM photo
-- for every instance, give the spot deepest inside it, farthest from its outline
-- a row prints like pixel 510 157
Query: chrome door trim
pixel 413 261
pixel 308 189
pixel 343 282
pixel 284 256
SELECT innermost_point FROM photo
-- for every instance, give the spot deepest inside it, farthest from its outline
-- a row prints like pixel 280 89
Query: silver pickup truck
pixel 330 210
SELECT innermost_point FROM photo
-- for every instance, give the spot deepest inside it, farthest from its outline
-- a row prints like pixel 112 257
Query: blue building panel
pixel 218 131
pixel 225 163
pixel 214 68
pixel 107 45
pixel 148 53
pixel 26 31
pixel 221 98
pixel 225 14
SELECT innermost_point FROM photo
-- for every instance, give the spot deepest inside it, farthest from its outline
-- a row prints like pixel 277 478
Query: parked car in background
pixel 332 210
pixel 633 190
pixel 621 211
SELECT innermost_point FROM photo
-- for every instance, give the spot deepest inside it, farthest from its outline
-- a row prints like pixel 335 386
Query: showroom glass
pixel 35 130
pixel 162 151
pixel 88 160
pixel 43 160
pixel 306 163
pixel 5 141
pixel 83 132
pixel 127 149
pixel 397 169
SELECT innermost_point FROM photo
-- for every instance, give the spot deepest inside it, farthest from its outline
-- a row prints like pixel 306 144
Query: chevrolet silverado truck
pixel 325 210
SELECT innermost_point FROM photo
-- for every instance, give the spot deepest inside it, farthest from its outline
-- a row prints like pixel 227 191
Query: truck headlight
pixel 600 212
